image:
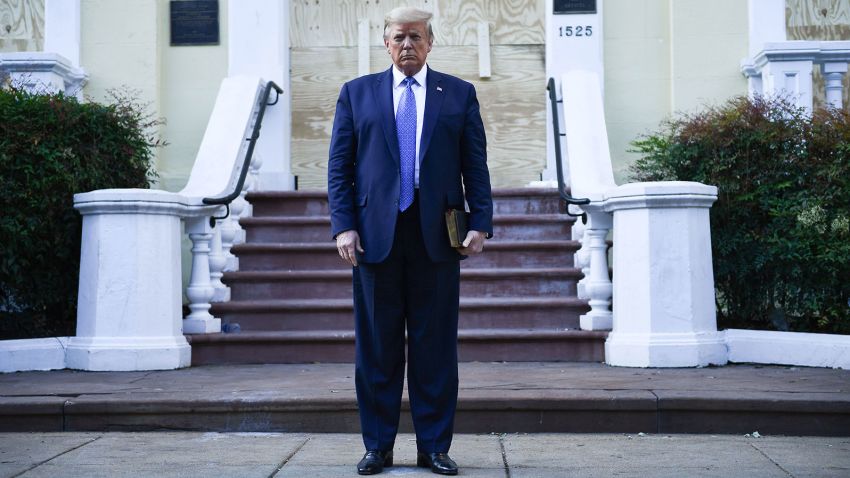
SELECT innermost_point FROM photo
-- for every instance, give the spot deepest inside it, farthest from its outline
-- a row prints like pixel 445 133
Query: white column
pixel 258 44
pixel 789 78
pixel 664 311
pixel 766 23
pixel 129 304
pixel 570 45
pixel 833 74
pixel 62 29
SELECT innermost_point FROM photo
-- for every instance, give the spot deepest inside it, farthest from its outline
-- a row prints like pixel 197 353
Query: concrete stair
pixel 292 294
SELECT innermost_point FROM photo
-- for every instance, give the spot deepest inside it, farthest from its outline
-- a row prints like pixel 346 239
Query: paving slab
pixel 190 454
pixel 814 457
pixel 20 452
pixel 172 454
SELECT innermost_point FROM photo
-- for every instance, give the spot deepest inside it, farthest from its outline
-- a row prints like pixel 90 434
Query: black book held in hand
pixel 457 222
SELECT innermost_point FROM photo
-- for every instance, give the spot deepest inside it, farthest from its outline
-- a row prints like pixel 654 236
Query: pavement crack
pixel 657 411
pixel 57 456
pixel 288 457
pixel 771 460
pixel 143 377
pixel 504 456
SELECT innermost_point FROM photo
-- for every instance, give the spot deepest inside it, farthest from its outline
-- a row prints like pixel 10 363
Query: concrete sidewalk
pixel 189 454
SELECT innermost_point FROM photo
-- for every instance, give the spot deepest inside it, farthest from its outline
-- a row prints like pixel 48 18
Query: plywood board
pixel 320 23
pixel 512 106
pixel 826 20
pixel 817 19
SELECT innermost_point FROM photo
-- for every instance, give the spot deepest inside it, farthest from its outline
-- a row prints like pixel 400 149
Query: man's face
pixel 408 44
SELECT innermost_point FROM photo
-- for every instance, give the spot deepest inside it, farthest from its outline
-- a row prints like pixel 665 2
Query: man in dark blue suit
pixel 407 145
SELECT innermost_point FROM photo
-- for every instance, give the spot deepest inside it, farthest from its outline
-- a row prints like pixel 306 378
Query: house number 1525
pixel 578 31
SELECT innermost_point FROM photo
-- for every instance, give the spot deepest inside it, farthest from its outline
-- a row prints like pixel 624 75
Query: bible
pixel 456 222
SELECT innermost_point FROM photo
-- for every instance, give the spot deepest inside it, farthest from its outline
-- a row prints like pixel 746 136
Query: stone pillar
pixel 62 29
pixel 40 72
pixel 258 45
pixel 129 305
pixel 833 74
pixel 789 78
pixel 570 45
pixel 664 312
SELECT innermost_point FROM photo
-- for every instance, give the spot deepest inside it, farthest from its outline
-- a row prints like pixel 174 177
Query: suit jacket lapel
pixel 383 90
pixel 433 103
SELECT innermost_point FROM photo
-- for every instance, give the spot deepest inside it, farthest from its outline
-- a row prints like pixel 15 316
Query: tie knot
pixel 409 81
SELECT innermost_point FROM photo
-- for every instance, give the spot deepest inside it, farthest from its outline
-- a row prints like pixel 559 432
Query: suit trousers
pixel 407 291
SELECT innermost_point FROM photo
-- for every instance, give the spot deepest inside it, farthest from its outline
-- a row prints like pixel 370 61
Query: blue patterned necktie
pixel 405 120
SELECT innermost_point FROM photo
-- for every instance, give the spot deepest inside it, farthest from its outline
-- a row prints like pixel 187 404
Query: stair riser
pixel 266 207
pixel 330 260
pixel 322 232
pixel 525 318
pixel 342 288
pixel 483 351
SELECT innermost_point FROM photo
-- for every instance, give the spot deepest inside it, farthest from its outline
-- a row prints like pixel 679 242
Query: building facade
pixel 659 58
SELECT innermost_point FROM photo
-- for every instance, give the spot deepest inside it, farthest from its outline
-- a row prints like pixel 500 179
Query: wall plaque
pixel 194 22
pixel 566 7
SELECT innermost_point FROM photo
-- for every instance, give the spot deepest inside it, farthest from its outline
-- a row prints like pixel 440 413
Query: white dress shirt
pixel 418 93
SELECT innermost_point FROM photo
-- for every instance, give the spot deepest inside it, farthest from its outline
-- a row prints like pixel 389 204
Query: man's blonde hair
pixel 408 15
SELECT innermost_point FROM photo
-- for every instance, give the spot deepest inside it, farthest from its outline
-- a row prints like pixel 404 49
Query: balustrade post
pixel 582 257
pixel 221 293
pixel 200 290
pixel 598 286
pixel 833 74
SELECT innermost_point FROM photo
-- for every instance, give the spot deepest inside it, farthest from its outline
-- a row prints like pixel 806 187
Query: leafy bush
pixel 52 146
pixel 780 231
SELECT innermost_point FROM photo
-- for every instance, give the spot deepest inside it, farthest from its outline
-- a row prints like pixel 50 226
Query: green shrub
pixel 52 146
pixel 780 233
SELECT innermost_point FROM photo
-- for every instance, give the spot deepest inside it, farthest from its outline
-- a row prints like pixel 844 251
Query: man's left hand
pixel 473 244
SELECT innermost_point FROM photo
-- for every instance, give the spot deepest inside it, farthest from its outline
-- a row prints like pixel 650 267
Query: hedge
pixel 781 225
pixel 52 146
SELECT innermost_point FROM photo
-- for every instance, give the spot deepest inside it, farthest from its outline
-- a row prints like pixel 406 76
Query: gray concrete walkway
pixel 189 454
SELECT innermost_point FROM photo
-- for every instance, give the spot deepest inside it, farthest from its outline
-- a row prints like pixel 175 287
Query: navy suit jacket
pixel 363 167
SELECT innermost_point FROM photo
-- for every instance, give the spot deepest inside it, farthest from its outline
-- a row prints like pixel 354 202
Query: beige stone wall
pixel 21 25
pixel 126 45
pixel 667 56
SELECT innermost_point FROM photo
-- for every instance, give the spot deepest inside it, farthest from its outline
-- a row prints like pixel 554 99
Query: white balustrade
pixel 784 68
pixel 129 313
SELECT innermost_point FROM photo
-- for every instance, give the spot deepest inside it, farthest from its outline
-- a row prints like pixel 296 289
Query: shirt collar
pixel 420 77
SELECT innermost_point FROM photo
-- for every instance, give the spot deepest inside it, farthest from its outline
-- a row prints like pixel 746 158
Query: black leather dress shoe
pixel 374 462
pixel 439 463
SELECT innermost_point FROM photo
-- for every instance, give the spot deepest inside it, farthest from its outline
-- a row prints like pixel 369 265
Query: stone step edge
pixel 323 194
pixel 254 248
pixel 468 274
pixel 347 336
pixel 302 220
pixel 466 303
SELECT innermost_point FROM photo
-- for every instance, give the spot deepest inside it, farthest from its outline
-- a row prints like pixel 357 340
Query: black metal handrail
pixel 226 200
pixel 556 129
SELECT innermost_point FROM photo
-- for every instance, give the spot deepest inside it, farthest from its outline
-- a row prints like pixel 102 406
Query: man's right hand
pixel 346 243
